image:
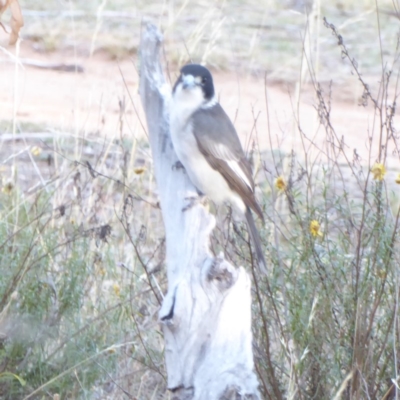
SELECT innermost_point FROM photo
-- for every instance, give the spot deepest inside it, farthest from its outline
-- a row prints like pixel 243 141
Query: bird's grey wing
pixel 219 143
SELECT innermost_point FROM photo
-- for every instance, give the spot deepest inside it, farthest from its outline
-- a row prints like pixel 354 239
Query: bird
pixel 207 145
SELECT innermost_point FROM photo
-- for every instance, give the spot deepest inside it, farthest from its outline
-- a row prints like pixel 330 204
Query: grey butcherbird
pixel 208 146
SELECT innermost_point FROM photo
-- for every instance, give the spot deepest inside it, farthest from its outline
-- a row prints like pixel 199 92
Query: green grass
pixel 72 287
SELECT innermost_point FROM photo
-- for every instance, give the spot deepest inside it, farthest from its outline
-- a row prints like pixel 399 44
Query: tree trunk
pixel 206 314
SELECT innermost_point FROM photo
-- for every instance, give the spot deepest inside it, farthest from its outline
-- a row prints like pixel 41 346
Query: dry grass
pixel 81 238
pixel 250 36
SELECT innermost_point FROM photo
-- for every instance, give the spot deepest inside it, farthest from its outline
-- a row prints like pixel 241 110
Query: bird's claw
pixel 177 165
pixel 193 201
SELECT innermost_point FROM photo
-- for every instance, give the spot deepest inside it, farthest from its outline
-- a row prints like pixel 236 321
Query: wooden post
pixel 206 314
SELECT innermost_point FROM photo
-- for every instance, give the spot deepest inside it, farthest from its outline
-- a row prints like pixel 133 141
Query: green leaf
pixel 21 381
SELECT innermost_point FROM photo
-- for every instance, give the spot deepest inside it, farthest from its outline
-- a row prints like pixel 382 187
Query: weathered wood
pixel 206 314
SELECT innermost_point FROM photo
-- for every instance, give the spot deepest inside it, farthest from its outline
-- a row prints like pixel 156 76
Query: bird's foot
pixel 177 165
pixel 194 200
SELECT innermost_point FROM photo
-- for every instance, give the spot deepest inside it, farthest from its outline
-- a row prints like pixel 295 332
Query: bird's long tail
pixel 255 236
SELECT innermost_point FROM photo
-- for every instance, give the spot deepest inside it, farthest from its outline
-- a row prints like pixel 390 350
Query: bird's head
pixel 194 86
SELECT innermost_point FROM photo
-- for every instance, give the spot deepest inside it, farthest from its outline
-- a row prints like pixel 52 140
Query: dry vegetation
pixel 81 235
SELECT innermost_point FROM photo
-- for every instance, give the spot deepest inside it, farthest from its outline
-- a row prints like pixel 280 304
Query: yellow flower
pixel 116 289
pixel 315 228
pixel 398 179
pixel 36 151
pixel 139 170
pixel 379 171
pixel 280 183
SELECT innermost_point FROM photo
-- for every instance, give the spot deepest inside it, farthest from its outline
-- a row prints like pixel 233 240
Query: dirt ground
pixel 88 103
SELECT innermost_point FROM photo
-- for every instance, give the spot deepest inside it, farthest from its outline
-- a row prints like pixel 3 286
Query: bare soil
pixel 90 103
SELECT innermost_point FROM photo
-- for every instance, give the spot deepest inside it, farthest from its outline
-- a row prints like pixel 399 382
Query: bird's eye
pixel 204 79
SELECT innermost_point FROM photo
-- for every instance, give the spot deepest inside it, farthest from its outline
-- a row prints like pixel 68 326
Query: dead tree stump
pixel 206 314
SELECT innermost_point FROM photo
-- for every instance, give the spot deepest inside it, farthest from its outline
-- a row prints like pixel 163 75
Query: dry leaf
pixel 16 18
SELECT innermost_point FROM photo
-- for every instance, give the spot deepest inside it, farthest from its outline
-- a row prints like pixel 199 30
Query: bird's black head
pixel 193 75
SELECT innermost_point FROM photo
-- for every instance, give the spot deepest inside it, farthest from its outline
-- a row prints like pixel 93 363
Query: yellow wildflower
pixel 379 171
pixel 398 179
pixel 315 228
pixel 116 289
pixel 36 151
pixel 139 170
pixel 280 183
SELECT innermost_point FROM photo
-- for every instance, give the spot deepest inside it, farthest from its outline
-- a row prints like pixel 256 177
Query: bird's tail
pixel 255 236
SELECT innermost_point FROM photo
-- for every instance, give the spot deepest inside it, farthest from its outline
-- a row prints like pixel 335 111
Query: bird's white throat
pixel 185 102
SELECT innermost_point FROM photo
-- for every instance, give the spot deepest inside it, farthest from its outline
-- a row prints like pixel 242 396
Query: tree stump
pixel 206 314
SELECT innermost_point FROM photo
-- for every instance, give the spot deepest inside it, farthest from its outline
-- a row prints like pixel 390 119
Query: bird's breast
pixel 206 179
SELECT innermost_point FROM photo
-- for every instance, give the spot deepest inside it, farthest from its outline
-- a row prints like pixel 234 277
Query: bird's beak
pixel 188 82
